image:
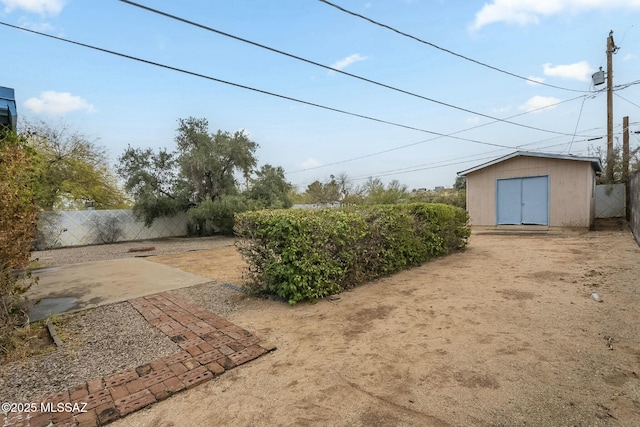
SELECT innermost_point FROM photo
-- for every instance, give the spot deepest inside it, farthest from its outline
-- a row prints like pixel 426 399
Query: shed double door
pixel 523 201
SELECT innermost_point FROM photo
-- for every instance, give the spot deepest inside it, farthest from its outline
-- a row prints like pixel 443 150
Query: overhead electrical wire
pixel 435 165
pixel 576 128
pixel 471 158
pixel 388 27
pixel 625 99
pixel 195 74
pixel 364 156
pixel 308 61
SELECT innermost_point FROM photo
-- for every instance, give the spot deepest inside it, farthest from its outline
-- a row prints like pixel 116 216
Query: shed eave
pixel 595 161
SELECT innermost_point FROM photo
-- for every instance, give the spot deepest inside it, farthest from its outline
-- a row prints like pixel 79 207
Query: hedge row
pixel 309 254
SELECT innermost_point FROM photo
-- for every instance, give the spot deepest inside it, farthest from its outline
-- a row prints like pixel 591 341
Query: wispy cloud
pixel 42 7
pixel 43 27
pixel 524 12
pixel 472 120
pixel 535 103
pixel 351 59
pixel 502 110
pixel 579 71
pixel 629 57
pixel 310 163
pixel 57 103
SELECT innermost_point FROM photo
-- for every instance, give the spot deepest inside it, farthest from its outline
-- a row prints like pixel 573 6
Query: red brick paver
pixel 209 345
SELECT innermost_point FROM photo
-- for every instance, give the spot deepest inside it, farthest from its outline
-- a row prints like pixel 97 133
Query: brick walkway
pixel 209 346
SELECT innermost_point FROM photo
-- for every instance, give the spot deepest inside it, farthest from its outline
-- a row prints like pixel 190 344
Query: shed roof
pixel 595 161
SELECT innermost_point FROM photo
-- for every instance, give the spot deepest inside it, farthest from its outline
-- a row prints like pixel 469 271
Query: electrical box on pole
pixel 598 77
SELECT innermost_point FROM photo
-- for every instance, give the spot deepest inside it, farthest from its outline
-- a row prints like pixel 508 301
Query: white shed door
pixel 523 201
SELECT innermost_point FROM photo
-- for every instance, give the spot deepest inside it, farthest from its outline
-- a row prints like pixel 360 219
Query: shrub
pixel 216 216
pixel 17 227
pixel 309 254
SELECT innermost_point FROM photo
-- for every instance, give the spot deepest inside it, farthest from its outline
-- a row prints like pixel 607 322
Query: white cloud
pixel 57 103
pixel 579 71
pixel 43 7
pixel 629 57
pixel 535 103
pixel 310 163
pixel 502 109
pixel 472 120
pixel 351 59
pixel 535 79
pixel 523 12
pixel 43 27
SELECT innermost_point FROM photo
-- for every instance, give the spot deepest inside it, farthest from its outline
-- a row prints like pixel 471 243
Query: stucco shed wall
pixel 571 189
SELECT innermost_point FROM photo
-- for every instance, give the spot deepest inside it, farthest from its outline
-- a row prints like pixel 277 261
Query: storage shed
pixel 529 188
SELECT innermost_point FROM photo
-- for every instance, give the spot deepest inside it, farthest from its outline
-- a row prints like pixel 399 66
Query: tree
pixel 73 169
pixel 209 161
pixel 270 188
pixel 153 179
pixel 374 192
pixel 461 183
pixel 201 178
pixel 317 192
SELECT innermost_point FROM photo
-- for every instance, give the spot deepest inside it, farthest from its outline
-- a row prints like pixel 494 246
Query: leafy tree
pixel 377 194
pixel 201 178
pixel 270 188
pixel 317 192
pixel 154 181
pixel 73 169
pixel 202 168
pixel 210 161
pixel 461 183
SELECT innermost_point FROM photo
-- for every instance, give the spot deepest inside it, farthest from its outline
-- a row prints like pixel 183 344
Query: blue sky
pixel 122 102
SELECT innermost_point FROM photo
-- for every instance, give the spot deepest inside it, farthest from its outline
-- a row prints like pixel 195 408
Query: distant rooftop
pixel 8 112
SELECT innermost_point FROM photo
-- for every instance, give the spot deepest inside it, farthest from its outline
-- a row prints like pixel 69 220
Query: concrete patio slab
pixel 91 284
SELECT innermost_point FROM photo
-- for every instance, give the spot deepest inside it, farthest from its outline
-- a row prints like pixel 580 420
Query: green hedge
pixel 309 254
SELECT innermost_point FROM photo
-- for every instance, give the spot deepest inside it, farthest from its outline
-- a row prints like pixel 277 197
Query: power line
pixel 625 99
pixel 576 128
pixel 364 156
pixel 446 50
pixel 241 86
pixel 456 160
pixel 308 61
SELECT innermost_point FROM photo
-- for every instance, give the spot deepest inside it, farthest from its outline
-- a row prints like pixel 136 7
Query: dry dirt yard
pixel 503 334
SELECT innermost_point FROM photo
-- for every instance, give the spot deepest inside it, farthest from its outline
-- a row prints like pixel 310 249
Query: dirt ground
pixel 503 334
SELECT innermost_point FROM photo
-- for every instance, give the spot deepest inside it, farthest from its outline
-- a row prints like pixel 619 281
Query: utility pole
pixel 611 49
pixel 625 149
pixel 625 167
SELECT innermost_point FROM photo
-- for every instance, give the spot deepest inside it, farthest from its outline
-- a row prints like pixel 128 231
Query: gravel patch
pixel 214 297
pixel 97 342
pixel 112 338
pixel 78 254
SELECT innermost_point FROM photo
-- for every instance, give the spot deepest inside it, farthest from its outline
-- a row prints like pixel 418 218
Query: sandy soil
pixel 505 333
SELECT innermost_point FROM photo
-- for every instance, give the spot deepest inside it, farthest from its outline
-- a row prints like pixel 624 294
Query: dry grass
pixel 29 341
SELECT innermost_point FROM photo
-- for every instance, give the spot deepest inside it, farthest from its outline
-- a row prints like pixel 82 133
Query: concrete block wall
pixel 89 227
